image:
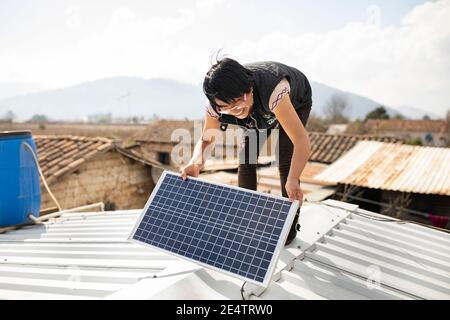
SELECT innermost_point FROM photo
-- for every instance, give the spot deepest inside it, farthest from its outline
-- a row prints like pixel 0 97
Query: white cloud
pixel 404 65
pixel 208 4
pixel 408 64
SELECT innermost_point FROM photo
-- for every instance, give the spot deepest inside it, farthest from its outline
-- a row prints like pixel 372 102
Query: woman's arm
pixel 290 121
pixel 198 160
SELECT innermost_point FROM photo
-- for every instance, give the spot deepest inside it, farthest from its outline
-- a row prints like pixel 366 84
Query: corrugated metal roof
pixel 368 259
pixel 77 256
pixel 327 148
pixel 393 167
pixel 338 254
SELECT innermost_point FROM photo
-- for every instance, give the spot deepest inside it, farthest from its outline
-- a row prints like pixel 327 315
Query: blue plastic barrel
pixel 20 192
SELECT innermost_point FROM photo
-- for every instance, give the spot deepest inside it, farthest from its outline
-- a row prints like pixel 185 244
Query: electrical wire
pixel 364 215
pixel 42 175
pixel 383 204
pixel 370 217
pixel 242 290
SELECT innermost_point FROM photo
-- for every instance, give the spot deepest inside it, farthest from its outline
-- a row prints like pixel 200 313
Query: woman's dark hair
pixel 227 80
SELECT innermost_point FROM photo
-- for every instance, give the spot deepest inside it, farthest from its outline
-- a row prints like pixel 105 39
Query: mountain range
pixel 130 96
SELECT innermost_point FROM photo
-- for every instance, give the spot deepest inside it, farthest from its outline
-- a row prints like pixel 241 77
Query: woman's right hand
pixel 191 169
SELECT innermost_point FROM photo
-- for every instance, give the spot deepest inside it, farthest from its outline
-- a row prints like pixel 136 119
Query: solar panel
pixel 234 230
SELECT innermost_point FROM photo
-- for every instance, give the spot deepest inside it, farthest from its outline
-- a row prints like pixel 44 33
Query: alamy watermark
pixel 373 277
pixel 373 16
pixel 229 144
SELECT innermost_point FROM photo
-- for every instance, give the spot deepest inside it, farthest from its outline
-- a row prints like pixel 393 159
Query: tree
pixel 357 127
pixel 38 118
pixel 398 116
pixel 9 116
pixel 377 113
pixel 316 123
pixel 102 118
pixel 336 108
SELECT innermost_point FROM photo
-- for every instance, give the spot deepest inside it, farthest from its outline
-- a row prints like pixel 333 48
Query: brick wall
pixel 108 177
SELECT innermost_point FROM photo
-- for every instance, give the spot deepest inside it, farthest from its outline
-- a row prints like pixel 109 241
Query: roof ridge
pixel 74 138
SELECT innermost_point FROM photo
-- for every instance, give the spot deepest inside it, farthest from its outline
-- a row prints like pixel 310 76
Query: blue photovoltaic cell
pixel 227 228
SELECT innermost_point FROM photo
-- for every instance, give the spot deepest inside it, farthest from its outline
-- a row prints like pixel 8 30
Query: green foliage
pixel 38 118
pixel 398 116
pixel 378 113
pixel 414 142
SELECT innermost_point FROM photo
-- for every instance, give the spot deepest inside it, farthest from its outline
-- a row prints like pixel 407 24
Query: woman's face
pixel 239 107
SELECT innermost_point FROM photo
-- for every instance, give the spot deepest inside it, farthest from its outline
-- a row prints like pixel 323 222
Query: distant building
pixel 337 128
pixel 389 177
pixel 158 140
pixel 430 132
pixel 81 171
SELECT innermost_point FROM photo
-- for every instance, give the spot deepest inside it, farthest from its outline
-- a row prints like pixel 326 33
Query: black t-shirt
pixel 267 75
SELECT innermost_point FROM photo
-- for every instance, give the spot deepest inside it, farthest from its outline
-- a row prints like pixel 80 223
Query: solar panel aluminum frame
pixel 279 246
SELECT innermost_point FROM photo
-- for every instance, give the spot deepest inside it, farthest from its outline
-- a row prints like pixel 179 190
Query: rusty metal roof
pixel 393 167
pixel 327 148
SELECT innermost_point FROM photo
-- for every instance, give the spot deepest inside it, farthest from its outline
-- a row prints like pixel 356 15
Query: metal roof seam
pixel 364 278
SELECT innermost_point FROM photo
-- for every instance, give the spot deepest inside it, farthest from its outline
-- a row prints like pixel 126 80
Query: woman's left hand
pixel 293 190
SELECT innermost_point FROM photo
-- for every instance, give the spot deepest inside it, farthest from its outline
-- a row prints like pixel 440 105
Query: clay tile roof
pixel 62 154
pixel 327 148
pixel 437 126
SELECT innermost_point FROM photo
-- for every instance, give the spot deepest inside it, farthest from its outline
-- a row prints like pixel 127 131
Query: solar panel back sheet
pixel 234 230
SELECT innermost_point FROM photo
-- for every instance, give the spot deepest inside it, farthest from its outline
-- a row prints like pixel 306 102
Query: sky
pixel 394 52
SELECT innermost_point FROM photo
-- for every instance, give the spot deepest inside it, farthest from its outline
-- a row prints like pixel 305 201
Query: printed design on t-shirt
pixel 270 120
pixel 279 97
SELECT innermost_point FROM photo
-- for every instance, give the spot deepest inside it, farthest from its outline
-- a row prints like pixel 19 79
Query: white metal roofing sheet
pixel 338 254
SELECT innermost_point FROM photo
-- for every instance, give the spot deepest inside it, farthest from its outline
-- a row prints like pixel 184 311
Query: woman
pixel 259 96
